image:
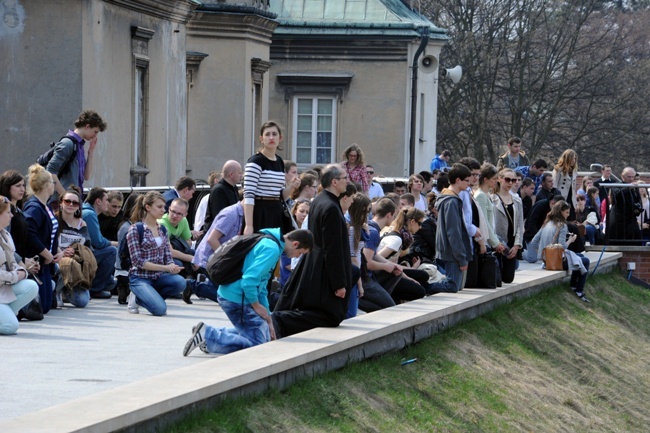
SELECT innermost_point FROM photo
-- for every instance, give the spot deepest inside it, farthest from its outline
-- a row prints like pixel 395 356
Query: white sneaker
pixel 198 337
pixel 132 305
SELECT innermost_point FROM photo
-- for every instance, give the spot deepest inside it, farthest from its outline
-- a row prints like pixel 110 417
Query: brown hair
pixel 141 203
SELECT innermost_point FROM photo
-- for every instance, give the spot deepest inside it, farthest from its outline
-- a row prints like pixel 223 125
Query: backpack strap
pixel 140 228
pixel 266 235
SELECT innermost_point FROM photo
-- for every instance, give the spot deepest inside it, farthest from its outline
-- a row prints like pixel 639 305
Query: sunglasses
pixel 510 180
pixel 370 172
pixel 581 199
pixel 70 202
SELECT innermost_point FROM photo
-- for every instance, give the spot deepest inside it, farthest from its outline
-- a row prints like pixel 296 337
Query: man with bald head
pixel 224 193
pixel 623 227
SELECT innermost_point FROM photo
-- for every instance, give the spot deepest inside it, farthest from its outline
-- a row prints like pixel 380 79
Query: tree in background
pixel 559 74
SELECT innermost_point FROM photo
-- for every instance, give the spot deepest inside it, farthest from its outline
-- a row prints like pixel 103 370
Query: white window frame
pixel 294 150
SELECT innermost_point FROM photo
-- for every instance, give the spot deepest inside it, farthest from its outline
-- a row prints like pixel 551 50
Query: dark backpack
pixel 45 158
pixel 123 247
pixel 225 264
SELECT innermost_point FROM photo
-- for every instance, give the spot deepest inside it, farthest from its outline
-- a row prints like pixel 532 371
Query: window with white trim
pixel 314 125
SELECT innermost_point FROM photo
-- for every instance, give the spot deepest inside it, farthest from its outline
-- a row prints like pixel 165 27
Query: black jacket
pixel 222 195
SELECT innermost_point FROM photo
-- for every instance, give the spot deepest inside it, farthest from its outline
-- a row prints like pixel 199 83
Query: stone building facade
pixel 184 85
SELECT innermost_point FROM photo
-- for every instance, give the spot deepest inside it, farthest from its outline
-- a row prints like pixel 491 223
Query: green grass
pixel 548 363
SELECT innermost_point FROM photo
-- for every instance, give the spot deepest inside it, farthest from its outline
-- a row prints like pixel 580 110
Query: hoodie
pixel 452 239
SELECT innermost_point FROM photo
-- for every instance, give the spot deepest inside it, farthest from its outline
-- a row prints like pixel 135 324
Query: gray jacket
pixel 62 153
pixel 452 239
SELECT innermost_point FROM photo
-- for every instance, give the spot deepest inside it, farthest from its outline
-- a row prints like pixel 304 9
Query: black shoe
pixel 187 293
pixel 101 295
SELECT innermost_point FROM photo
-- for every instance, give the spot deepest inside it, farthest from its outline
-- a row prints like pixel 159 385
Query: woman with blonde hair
pixel 16 290
pixel 508 222
pixel 353 163
pixel 42 227
pixel 564 178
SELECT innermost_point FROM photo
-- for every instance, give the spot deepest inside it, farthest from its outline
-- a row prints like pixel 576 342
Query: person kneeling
pixel 245 301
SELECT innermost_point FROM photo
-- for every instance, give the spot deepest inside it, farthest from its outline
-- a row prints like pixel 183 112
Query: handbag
pixel 487 271
pixel 553 254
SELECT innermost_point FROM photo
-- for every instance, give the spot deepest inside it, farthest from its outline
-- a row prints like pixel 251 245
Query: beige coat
pixel 501 219
pixel 8 268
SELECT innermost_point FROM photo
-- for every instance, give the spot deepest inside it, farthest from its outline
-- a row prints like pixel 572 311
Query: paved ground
pixel 76 352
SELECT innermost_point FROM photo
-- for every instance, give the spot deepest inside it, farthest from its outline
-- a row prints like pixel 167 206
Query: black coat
pixel 222 195
pixel 326 268
pixel 535 220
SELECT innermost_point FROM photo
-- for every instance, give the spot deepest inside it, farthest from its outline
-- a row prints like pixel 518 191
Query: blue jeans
pixel 25 291
pixel 105 269
pixel 454 274
pixel 250 329
pixel 590 233
pixel 151 294
pixel 77 297
pixel 203 290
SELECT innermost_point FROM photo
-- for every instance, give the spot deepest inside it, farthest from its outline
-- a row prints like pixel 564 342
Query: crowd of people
pixel 335 242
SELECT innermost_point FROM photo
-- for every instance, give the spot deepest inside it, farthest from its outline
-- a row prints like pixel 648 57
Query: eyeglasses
pixel 418 222
pixel 70 202
pixel 510 180
pixel 178 214
pixel 476 174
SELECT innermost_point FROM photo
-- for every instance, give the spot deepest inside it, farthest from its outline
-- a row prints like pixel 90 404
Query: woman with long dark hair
pixel 72 230
pixel 555 231
pixel 264 184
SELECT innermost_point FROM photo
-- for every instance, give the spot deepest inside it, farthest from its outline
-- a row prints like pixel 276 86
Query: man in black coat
pixel 318 290
pixel 622 227
pixel 538 213
pixel 224 193
pixel 547 190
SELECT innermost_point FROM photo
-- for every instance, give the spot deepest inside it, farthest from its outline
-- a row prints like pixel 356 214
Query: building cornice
pixel 179 11
pixel 231 26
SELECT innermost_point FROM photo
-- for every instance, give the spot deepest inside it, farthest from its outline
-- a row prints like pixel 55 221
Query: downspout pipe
pixel 424 33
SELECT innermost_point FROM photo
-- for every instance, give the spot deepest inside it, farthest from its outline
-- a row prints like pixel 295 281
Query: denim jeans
pixel 25 291
pixel 590 233
pixel 105 269
pixel 203 290
pixel 454 274
pixel 151 294
pixel 77 297
pixel 250 329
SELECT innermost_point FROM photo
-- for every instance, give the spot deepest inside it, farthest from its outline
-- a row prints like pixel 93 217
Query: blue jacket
pixel 258 265
pixel 39 228
pixel 97 240
pixel 438 163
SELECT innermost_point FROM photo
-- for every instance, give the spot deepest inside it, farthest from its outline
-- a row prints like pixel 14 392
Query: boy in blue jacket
pixel 245 301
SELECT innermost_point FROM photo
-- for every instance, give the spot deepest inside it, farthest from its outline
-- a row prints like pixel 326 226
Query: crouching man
pixel 245 301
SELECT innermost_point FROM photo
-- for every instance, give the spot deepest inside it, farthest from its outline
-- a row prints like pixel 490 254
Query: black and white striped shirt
pixel 263 178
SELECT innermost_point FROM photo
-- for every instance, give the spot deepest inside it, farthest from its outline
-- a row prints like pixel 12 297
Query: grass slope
pixel 549 363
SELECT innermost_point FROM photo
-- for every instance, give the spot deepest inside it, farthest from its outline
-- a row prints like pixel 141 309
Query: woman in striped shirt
pixel 264 183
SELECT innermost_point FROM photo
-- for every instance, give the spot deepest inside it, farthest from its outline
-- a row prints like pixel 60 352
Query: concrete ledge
pixel 148 404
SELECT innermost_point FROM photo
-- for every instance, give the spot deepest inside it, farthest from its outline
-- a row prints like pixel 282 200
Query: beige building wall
pixel 222 107
pixel 375 110
pixel 73 55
